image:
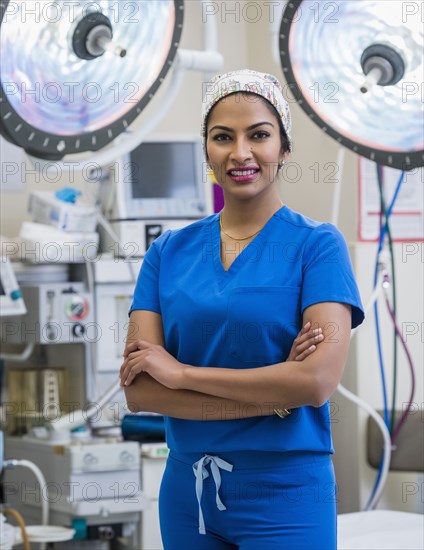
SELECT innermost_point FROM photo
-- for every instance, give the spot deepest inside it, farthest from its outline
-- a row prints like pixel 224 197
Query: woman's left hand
pixel 141 356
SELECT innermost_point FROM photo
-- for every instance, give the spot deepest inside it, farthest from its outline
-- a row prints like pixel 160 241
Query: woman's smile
pixel 244 174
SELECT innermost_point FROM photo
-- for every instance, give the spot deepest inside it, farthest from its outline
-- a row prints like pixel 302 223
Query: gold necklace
pixel 243 238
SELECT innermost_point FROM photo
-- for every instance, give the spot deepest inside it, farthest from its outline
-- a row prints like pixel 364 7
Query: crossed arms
pixel 155 381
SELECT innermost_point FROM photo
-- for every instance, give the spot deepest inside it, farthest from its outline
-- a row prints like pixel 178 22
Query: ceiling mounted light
pixel 74 75
pixel 356 69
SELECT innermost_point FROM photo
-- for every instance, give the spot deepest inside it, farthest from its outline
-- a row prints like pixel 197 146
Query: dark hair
pixel 285 143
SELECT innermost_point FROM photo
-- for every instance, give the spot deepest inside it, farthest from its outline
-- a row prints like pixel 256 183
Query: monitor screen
pixel 163 178
pixel 164 170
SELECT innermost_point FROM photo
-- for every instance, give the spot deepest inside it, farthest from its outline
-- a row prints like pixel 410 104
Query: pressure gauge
pixel 76 308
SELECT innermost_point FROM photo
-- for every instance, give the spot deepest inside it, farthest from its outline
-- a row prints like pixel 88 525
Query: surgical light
pixel 356 69
pixel 74 75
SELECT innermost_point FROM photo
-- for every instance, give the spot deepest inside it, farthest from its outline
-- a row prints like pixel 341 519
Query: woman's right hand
pixel 305 343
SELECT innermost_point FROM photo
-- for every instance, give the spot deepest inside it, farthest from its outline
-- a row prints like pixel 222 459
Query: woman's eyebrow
pixel 252 127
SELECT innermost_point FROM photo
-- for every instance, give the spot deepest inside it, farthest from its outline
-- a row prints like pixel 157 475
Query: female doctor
pixel 216 309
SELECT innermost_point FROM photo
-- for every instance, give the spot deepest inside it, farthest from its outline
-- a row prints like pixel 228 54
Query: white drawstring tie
pixel 201 473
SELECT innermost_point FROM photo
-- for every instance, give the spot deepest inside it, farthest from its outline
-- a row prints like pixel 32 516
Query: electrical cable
pixel 376 316
pixel 385 464
pixel 392 203
pixel 389 212
pixel 381 364
pixel 395 432
pixel 378 483
pixel 379 249
pixel 375 497
pixel 381 266
pixel 380 181
pixel 20 521
pixel 379 480
pixel 405 413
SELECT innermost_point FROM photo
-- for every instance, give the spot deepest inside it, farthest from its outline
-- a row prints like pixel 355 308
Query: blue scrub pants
pixel 248 501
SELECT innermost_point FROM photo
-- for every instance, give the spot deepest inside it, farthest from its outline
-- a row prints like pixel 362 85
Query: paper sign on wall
pixel 406 221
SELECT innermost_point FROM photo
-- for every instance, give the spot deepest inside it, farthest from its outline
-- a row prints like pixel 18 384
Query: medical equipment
pixel 162 178
pixel 114 280
pixel 34 396
pixel 160 185
pixel 364 91
pixel 73 464
pixel 11 535
pixel 11 300
pixel 135 236
pixel 65 215
pixel 60 313
pixel 42 243
pixel 93 485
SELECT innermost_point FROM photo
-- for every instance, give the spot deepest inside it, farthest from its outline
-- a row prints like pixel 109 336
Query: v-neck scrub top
pixel 246 317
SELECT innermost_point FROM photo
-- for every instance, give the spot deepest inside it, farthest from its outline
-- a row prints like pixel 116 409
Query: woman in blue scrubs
pixel 217 307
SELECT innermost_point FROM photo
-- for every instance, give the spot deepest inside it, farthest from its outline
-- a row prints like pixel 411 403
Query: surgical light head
pixel 355 68
pixel 75 75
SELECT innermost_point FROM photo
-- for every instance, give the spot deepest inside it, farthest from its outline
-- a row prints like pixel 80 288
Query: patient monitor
pixel 162 178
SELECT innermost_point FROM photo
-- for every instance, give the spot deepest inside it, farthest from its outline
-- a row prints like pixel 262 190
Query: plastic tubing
pixel 12 463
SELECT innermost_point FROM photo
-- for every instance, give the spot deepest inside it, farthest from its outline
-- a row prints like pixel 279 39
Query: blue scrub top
pixel 245 317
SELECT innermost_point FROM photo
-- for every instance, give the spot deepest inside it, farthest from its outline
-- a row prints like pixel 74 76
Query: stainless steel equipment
pixel 94 484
